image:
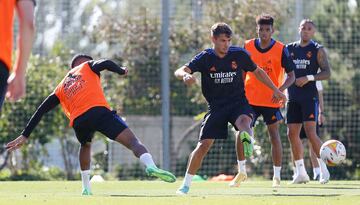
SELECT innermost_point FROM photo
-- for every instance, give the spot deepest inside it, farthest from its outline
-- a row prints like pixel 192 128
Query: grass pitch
pixel 156 192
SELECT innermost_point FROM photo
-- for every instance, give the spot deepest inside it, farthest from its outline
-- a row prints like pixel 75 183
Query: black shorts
pixel 299 112
pixel 4 75
pixel 215 122
pixel 303 133
pixel 98 119
pixel 270 114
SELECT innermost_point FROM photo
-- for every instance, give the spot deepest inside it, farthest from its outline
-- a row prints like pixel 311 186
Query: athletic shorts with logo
pixel 215 122
pixel 301 111
pixel 270 114
pixel 98 119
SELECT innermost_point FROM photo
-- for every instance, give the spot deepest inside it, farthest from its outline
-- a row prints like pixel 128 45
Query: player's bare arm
pixel 322 75
pixel 184 73
pixel 47 105
pixel 323 62
pixel 16 81
pixel 290 79
pixel 278 96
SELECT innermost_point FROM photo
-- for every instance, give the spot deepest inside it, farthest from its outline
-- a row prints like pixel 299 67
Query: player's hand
pixel 301 81
pixel 126 70
pixel 16 87
pixel 279 97
pixel 189 79
pixel 321 119
pixel 16 143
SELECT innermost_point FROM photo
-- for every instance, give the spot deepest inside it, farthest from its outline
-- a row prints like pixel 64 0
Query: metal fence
pixel 97 27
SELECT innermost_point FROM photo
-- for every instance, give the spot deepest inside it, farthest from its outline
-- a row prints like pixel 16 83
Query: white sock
pixel 300 167
pixel 242 165
pixel 322 166
pixel 316 171
pixel 147 160
pixel 85 178
pixel 295 172
pixel 277 171
pixel 187 179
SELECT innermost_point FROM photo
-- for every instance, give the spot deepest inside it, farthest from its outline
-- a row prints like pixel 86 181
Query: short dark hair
pixel 265 19
pixel 77 56
pixel 221 28
pixel 304 21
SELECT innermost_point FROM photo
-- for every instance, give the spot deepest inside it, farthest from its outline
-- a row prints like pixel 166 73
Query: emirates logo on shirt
pixel 223 77
pixel 234 65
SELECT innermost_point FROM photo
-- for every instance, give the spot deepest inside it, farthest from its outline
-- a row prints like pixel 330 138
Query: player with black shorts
pixel 308 56
pixel 221 69
pixel 271 56
pixel 83 101
pixel 303 137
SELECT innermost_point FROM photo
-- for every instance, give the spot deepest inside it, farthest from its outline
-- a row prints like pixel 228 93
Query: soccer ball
pixel 332 152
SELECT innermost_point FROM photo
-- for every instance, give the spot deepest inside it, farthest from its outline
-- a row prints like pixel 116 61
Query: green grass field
pixel 156 192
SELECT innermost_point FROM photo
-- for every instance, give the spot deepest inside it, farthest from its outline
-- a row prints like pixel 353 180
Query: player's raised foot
pixel 301 179
pixel 240 177
pixel 276 182
pixel 316 177
pixel 183 190
pixel 86 192
pixel 161 174
pixel 248 143
pixel 324 177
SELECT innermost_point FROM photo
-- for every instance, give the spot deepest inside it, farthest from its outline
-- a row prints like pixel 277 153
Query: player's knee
pixel 273 132
pixel 310 132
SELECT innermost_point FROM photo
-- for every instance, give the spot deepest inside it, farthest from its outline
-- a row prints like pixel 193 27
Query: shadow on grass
pixel 140 195
pixel 207 195
pixel 319 187
pixel 312 195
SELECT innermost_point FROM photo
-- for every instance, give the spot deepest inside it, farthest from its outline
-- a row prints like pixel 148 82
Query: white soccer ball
pixel 333 152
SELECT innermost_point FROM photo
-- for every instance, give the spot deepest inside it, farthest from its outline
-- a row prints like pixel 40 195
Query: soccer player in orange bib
pixel 83 101
pixel 273 58
pixel 12 77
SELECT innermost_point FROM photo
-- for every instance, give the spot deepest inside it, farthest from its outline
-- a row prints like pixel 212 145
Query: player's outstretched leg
pixel 84 158
pixel 194 163
pixel 129 140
